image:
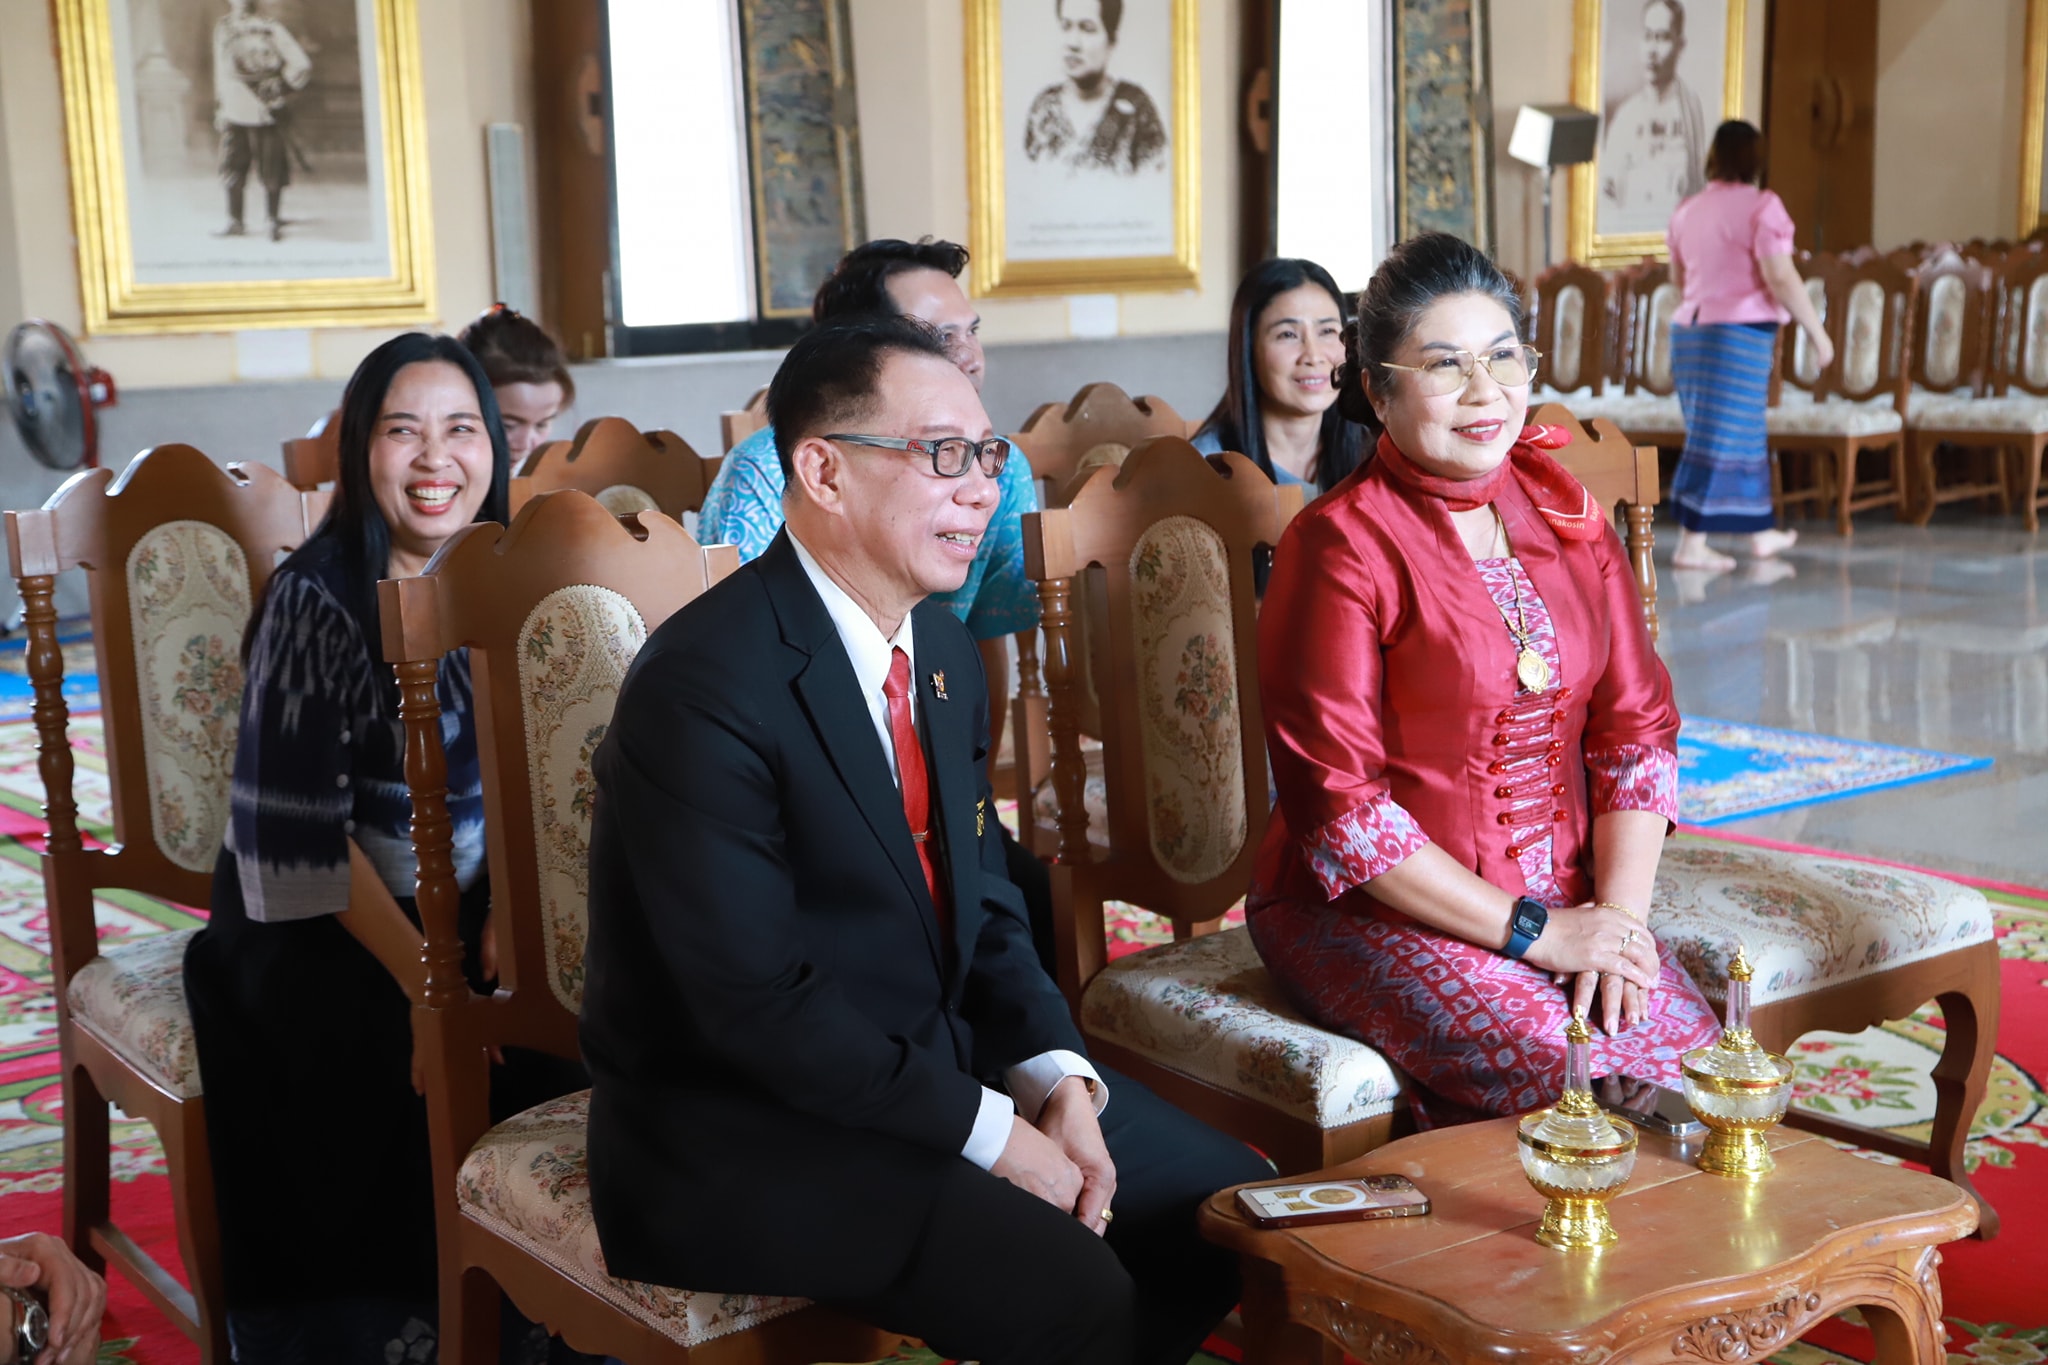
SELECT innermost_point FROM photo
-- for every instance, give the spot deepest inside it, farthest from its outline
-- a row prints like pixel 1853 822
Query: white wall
pixel 1949 104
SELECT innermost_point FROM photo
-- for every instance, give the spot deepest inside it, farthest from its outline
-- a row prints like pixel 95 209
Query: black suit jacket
pixel 783 1052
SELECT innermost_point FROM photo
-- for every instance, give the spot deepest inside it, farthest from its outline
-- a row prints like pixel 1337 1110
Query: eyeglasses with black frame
pixel 951 457
pixel 1510 366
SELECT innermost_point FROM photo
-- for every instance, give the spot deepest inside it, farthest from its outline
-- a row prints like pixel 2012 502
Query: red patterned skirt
pixel 1469 1025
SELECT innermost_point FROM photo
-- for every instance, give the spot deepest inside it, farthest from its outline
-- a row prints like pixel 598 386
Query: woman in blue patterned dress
pixel 318 1138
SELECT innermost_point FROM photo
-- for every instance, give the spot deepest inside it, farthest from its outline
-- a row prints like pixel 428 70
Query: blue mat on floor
pixel 1728 771
pixel 81 684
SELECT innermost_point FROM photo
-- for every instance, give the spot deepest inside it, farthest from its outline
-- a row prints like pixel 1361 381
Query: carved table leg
pixel 1270 1337
pixel 1908 1327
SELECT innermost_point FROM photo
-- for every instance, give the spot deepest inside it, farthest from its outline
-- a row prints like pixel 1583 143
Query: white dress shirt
pixel 1031 1081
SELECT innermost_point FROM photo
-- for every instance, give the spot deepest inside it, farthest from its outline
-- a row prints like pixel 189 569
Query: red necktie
pixel 910 769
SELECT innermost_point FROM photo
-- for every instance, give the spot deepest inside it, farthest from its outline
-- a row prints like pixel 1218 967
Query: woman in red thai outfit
pixel 1474 743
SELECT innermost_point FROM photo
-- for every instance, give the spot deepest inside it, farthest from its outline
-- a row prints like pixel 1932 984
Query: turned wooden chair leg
pixel 1845 479
pixel 1970 1017
pixel 2030 504
pixel 193 1204
pixel 88 1164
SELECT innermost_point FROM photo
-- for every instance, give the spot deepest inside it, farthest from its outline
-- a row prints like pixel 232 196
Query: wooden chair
pixel 734 427
pixel 1623 479
pixel 1056 438
pixel 1570 307
pixel 1170 538
pixel 2022 367
pixel 625 469
pixel 176 550
pixel 552 610
pixel 315 458
pixel 1854 406
pixel 1949 369
pixel 1648 410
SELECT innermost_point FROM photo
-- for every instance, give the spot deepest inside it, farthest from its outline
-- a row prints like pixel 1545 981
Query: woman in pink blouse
pixel 1731 257
pixel 1473 741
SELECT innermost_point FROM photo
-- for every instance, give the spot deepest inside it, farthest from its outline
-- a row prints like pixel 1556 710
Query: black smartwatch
pixel 1525 926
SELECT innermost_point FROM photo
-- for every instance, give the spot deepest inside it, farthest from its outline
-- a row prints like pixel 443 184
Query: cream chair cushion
pixel 2014 414
pixel 132 998
pixel 1808 922
pixel 1638 412
pixel 1569 338
pixel 528 1181
pixel 188 599
pixel 1798 415
pixel 1207 1009
pixel 1188 702
pixel 574 649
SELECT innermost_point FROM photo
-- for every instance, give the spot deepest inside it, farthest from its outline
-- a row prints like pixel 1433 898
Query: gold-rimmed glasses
pixel 950 457
pixel 1450 371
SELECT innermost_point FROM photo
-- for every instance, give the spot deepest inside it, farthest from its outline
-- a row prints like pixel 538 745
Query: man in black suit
pixel 826 1060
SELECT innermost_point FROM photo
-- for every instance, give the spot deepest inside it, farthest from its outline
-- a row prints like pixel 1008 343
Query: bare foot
pixel 1764 544
pixel 1702 556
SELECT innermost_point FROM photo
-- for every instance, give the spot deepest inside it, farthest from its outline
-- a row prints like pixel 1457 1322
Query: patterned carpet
pixel 1997 1310
pixel 1727 771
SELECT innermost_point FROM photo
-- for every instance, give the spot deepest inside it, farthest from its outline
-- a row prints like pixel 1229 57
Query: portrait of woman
pixel 1091 119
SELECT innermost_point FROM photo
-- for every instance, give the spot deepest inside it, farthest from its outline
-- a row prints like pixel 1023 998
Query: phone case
pixel 1301 1203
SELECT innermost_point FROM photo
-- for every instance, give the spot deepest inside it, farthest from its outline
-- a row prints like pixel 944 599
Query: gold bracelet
pixel 1611 905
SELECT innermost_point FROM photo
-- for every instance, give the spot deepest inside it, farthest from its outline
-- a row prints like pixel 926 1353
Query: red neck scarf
pixel 1561 498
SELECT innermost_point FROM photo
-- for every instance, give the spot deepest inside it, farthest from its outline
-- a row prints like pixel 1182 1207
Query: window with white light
pixel 1332 136
pixel 679 165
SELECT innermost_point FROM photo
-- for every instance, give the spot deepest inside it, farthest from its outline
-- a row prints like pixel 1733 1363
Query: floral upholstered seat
pixel 1207 1009
pixel 1798 415
pixel 132 998
pixel 527 1180
pixel 1808 922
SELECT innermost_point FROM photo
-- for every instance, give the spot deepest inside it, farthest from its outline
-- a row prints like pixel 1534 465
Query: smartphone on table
pixel 1648 1105
pixel 1298 1203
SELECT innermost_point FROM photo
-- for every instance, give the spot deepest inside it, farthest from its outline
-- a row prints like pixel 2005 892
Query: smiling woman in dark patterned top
pixel 305 1039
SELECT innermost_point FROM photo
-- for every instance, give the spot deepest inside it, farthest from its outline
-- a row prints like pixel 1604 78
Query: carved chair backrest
pixel 1174 536
pixel 1622 478
pixel 1950 342
pixel 1653 303
pixel 552 610
pixel 1802 370
pixel 1057 435
pixel 315 458
pixel 734 427
pixel 1873 299
pixel 176 552
pixel 2022 307
pixel 1572 318
pixel 624 468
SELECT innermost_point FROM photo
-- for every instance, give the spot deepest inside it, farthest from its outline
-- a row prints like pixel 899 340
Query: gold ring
pixel 1106 1216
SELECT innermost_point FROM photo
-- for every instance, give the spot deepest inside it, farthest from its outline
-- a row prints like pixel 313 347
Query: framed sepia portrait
pixel 2034 123
pixel 1662 74
pixel 246 163
pixel 1083 118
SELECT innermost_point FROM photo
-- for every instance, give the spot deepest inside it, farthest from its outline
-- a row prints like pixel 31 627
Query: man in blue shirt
pixel 744 505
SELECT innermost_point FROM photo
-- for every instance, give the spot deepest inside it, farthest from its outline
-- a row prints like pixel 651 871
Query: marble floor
pixel 1934 637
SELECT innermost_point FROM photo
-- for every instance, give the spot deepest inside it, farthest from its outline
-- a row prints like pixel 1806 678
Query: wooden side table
pixel 1707 1269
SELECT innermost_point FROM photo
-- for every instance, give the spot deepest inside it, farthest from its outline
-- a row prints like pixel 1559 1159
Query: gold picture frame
pixel 1587 244
pixel 1169 225
pixel 376 267
pixel 2033 213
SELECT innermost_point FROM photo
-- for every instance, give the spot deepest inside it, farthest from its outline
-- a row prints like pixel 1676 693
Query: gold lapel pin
pixel 939 685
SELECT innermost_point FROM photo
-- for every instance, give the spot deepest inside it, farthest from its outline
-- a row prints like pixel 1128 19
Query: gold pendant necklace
pixel 1530 668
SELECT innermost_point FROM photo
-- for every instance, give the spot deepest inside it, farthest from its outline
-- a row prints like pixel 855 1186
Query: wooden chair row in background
pixel 1940 359
pixel 624 468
